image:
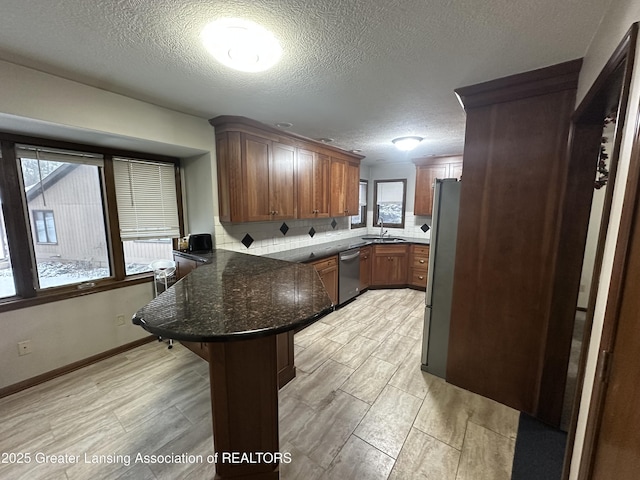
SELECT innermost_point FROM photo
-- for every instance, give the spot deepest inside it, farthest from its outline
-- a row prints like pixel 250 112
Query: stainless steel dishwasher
pixel 349 275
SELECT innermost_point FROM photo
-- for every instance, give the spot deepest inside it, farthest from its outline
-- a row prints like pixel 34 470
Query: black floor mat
pixel 539 451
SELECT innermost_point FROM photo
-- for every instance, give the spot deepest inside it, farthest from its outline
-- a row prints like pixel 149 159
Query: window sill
pixel 16 303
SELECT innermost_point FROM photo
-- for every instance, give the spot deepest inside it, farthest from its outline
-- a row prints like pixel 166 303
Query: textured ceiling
pixel 359 71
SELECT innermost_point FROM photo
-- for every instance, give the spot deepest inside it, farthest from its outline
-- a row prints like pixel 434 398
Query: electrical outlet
pixel 24 348
pixel 120 320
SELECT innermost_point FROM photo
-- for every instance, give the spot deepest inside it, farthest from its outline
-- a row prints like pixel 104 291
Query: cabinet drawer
pixel 390 249
pixel 419 277
pixel 420 250
pixel 321 265
pixel 420 262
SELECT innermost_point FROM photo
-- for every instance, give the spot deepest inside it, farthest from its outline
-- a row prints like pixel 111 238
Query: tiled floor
pixel 360 408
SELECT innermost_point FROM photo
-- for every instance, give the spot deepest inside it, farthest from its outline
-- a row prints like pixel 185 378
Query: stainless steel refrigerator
pixel 442 254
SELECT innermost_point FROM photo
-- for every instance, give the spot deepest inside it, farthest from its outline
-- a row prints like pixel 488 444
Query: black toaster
pixel 200 242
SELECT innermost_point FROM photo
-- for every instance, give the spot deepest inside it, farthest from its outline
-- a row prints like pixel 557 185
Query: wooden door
pixel 255 156
pixel 338 201
pixel 352 189
pixel 389 265
pixel 282 181
pixel 425 176
pixel 321 185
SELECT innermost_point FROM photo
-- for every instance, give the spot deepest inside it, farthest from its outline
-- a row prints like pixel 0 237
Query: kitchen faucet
pixel 382 230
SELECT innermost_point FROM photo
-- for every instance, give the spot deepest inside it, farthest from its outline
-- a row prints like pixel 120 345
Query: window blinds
pixel 57 155
pixel 147 199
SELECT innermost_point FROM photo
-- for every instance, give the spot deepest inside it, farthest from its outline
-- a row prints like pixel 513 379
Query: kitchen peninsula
pixel 236 304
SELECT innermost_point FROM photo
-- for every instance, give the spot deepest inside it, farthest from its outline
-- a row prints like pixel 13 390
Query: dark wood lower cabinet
pixel 389 266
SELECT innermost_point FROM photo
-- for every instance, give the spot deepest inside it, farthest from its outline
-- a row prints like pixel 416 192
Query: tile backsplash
pixel 260 238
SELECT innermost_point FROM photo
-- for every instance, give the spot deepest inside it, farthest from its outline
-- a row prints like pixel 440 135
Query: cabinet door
pixel 328 271
pixel 352 188
pixel 338 199
pixel 282 181
pixel 425 176
pixel 365 268
pixel 455 170
pixel 389 265
pixel 255 159
pixel 313 184
pixel 183 266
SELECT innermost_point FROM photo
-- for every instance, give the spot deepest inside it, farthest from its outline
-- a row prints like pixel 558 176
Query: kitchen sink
pixel 384 239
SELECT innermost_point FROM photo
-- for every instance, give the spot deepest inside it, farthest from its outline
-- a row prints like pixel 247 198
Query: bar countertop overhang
pixel 237 296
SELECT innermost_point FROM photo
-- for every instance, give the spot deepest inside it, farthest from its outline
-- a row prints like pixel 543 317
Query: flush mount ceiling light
pixel 406 143
pixel 284 124
pixel 241 44
pixel 326 140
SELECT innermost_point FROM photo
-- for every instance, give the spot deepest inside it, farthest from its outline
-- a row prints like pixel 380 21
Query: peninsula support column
pixel 244 403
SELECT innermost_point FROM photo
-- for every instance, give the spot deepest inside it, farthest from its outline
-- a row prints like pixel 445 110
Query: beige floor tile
pixel 310 334
pixel 381 328
pixel 444 413
pixel 369 379
pixel 323 434
pixel 361 312
pixel 316 354
pixel 346 331
pixel 300 467
pixel 319 387
pixel 485 454
pixel 354 353
pixel 424 458
pixel 293 415
pixel 395 348
pixel 494 416
pixel 359 461
pixel 389 420
pixel 411 378
pixel 411 327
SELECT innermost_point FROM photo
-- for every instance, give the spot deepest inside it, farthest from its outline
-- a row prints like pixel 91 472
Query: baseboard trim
pixel 33 381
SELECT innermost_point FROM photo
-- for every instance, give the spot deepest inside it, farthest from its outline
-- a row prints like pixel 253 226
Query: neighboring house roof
pixel 47 182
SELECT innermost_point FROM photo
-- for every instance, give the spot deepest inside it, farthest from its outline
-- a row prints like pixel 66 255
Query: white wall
pixel 36 103
pixel 621 15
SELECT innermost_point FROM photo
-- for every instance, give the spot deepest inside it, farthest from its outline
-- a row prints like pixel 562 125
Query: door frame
pixel 583 125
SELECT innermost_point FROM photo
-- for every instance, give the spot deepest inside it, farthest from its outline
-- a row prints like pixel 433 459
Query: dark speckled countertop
pixel 236 296
pixel 323 250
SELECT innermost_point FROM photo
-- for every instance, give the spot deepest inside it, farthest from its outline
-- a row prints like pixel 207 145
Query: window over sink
pixel 390 202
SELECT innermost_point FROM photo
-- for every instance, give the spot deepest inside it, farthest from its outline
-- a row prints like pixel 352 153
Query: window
pixel 70 224
pixel 44 226
pixel 389 198
pixel 147 211
pixel 73 248
pixel 360 220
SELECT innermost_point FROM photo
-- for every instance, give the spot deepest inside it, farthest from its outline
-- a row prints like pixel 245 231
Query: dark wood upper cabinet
pixel 313 184
pixel 267 174
pixel 427 170
pixel 506 287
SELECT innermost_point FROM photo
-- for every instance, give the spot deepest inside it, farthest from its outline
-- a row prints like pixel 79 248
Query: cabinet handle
pixel 275 213
pixel 421 261
pixel 420 277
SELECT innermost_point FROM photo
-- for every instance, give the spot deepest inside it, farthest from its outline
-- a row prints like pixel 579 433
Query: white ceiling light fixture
pixel 241 44
pixel 406 143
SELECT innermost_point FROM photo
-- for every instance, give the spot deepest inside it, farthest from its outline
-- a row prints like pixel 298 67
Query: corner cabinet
pixel 328 271
pixel 427 170
pixel 267 174
pixel 389 265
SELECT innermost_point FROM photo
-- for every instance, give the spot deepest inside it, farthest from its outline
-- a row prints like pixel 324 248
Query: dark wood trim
pixel 45 377
pixel 563 76
pixel 612 311
pixel 16 303
pixel 83 147
pixel 113 230
pixel 225 123
pixel 590 113
pixel 18 237
pixel 404 201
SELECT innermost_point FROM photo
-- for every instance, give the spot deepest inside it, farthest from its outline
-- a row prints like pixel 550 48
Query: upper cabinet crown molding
pixel 563 76
pixel 236 123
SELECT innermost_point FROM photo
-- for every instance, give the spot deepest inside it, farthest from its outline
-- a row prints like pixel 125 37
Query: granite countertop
pixel 324 250
pixel 236 296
